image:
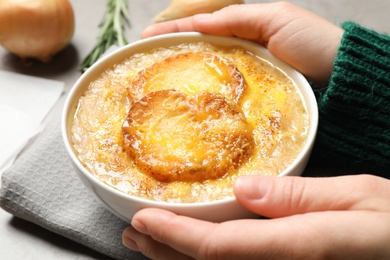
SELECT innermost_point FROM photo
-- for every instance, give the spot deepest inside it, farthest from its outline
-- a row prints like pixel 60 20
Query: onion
pixel 36 28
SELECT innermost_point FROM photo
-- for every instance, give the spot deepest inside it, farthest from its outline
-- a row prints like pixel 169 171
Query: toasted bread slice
pixel 173 136
pixel 190 73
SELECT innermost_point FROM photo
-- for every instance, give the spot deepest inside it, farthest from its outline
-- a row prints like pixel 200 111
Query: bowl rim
pixel 303 85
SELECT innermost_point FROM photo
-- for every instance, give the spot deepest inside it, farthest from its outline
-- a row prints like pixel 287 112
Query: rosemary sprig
pixel 112 31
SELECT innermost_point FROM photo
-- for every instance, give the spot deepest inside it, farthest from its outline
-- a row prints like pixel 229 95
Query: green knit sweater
pixel 354 127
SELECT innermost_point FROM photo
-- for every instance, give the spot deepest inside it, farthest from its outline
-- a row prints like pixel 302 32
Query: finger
pixel 278 197
pixel 159 224
pixel 204 240
pixel 195 238
pixel 137 241
pixel 228 21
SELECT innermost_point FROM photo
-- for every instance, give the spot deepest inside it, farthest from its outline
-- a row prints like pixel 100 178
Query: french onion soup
pixel 180 124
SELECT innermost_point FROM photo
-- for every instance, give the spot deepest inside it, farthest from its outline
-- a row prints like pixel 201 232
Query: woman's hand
pixel 304 40
pixel 344 217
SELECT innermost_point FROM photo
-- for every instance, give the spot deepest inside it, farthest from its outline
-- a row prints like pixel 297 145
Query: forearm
pixel 354 130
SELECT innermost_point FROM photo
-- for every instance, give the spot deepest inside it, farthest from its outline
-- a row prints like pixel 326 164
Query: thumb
pixel 275 197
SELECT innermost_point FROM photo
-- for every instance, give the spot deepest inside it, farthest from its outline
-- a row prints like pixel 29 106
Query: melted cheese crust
pixel 173 136
pixel 190 73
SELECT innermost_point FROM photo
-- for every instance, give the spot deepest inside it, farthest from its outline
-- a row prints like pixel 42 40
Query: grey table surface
pixel 23 240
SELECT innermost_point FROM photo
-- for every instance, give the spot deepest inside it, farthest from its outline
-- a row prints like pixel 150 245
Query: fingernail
pixel 202 16
pixel 139 226
pixel 251 187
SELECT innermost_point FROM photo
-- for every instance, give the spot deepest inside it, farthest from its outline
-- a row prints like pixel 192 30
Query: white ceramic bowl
pixel 125 206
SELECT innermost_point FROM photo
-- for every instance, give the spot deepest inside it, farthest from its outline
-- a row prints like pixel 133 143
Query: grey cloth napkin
pixel 42 187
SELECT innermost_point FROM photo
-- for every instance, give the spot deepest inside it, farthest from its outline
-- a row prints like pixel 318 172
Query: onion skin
pixel 36 29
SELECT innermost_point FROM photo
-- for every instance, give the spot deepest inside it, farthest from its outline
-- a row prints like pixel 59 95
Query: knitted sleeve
pixel 354 127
